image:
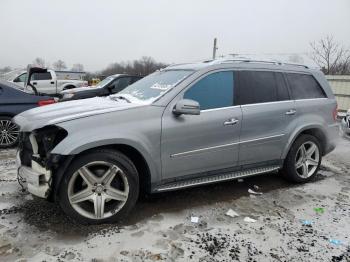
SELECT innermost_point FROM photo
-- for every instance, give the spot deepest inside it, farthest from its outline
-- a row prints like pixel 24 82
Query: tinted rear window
pixel 304 86
pixel 42 76
pixel 256 87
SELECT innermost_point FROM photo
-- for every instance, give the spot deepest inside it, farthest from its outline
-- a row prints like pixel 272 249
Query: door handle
pixel 52 82
pixel 291 112
pixel 231 121
pixel 34 83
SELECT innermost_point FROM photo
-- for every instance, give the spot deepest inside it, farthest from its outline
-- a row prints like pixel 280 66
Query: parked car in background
pixel 110 85
pixel 184 126
pixel 345 125
pixel 52 82
pixel 12 102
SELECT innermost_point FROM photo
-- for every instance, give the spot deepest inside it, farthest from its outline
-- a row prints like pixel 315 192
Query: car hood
pixel 79 89
pixel 66 111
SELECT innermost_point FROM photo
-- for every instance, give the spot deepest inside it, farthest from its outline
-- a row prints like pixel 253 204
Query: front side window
pixel 304 86
pixel 120 84
pixel 21 78
pixel 257 87
pixel 150 88
pixel 213 91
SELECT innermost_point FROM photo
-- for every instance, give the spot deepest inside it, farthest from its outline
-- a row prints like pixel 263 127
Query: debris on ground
pixel 249 220
pixel 335 242
pixel 306 222
pixel 319 210
pixel 194 219
pixel 251 191
pixel 231 213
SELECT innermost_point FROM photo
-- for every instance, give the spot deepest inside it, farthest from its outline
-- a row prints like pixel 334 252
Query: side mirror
pixel 187 107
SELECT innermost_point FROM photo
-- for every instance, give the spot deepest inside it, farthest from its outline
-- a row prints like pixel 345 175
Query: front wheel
pixel 9 132
pixel 303 160
pixel 99 187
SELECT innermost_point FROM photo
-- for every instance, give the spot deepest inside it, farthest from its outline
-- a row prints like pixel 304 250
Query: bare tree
pixel 59 65
pixel 143 66
pixel 39 62
pixel 332 57
pixel 78 67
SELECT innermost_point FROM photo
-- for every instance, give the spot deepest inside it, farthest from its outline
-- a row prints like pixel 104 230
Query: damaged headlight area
pixel 35 161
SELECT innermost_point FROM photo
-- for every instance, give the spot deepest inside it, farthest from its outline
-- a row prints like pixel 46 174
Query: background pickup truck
pixel 52 82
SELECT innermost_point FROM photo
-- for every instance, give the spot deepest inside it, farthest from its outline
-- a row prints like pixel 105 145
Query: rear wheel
pixel 303 160
pixel 9 132
pixel 99 187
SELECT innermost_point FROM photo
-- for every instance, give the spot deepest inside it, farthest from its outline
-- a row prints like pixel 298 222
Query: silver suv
pixel 184 126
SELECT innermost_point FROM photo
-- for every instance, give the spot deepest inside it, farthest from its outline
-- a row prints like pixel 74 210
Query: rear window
pixel 304 86
pixel 42 76
pixel 256 87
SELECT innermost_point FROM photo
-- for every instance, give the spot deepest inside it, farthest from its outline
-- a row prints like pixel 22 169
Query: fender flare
pixel 296 134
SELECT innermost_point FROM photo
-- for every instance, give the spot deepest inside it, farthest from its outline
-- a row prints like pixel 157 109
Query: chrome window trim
pixel 284 101
pixel 267 103
pixel 219 108
pixel 222 146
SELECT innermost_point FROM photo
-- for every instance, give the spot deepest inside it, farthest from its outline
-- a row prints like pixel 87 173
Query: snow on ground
pixel 287 227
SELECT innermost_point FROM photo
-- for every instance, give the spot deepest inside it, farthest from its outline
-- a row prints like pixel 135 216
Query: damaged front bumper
pixel 36 179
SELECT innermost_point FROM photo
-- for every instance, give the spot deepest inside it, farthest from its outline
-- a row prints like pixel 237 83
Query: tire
pixel 9 133
pixel 298 160
pixel 78 184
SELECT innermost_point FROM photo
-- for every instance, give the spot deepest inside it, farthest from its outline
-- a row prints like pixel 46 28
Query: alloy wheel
pixel 98 190
pixel 9 133
pixel 307 159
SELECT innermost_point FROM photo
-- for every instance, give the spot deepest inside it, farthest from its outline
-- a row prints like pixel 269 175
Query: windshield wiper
pixel 123 98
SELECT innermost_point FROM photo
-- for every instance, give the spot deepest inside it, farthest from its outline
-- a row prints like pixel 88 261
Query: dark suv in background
pixel 108 86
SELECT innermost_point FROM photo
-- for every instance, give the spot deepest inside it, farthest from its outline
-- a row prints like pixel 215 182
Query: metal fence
pixel 341 89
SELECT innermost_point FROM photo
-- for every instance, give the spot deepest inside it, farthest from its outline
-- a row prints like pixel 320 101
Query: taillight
pixel 335 113
pixel 46 102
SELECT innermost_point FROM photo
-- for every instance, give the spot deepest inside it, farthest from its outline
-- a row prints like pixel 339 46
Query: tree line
pixel 332 57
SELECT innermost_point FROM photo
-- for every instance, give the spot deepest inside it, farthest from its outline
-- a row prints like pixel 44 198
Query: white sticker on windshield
pixel 160 87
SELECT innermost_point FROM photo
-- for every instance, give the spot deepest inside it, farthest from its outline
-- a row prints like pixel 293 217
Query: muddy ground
pixel 287 227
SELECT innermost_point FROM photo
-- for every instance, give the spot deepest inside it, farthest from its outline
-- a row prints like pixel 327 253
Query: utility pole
pixel 215 48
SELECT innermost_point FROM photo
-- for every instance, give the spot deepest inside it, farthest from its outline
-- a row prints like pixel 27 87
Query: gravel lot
pixel 287 227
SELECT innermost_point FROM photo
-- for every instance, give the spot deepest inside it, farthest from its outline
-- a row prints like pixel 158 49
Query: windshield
pixel 104 82
pixel 148 89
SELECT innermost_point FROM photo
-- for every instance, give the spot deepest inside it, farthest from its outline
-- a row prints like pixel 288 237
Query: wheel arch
pixel 139 160
pixel 314 130
pixel 68 86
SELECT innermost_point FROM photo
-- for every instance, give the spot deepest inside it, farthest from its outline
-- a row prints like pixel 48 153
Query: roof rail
pixel 248 60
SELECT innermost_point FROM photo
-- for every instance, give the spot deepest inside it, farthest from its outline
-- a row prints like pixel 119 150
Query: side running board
pixel 215 178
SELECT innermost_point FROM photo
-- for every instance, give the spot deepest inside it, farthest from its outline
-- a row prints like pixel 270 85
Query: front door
pixel 193 144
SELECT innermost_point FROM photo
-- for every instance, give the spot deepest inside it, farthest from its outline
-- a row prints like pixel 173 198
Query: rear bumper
pixel 36 179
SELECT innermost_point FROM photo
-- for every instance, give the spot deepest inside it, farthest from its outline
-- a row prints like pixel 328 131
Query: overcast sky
pixel 99 32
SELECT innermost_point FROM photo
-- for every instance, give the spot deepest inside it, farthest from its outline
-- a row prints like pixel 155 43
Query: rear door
pixel 268 114
pixel 193 144
pixel 44 83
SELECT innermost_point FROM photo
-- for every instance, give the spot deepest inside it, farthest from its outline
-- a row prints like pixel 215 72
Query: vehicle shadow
pixel 46 216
